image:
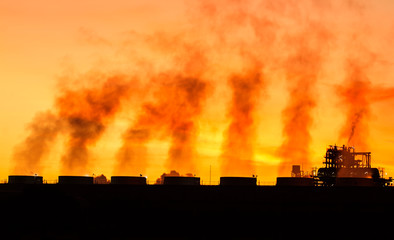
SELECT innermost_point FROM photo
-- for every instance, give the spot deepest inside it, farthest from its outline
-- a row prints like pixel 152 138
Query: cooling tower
pixel 179 180
pixel 24 179
pixel 238 181
pixel 130 180
pixel 75 180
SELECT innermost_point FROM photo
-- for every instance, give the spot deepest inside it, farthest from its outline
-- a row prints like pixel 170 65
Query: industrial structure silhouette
pixel 344 190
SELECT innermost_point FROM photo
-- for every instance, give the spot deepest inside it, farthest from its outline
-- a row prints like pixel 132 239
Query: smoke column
pixel 302 69
pixel 192 91
pixel 219 41
pixel 29 154
pixel 82 115
pixel 237 150
pixel 178 104
pixel 131 157
pixel 355 95
pixel 244 31
pixel 87 113
pixel 179 95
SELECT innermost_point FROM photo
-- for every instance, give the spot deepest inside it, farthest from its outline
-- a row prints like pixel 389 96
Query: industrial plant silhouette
pixel 331 199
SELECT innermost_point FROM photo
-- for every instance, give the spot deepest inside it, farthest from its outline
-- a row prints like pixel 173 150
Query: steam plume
pixel 355 94
pixel 131 157
pixel 29 154
pixel 192 92
pixel 237 152
pixel 243 32
pixel 87 113
pixel 177 106
pixel 302 69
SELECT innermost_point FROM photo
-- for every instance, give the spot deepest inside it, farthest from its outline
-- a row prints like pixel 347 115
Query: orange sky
pixel 48 46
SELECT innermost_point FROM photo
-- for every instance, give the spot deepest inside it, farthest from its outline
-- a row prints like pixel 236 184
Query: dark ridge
pixel 120 211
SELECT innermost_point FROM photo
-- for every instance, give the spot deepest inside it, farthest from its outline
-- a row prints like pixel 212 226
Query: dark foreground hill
pixel 54 211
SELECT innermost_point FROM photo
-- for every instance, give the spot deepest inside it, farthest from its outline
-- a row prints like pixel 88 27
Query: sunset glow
pixel 212 88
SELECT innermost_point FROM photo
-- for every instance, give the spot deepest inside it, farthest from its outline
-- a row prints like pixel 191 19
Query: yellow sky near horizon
pixel 44 44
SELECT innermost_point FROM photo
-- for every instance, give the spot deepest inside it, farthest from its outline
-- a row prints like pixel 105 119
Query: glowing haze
pixel 202 87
